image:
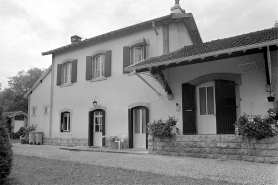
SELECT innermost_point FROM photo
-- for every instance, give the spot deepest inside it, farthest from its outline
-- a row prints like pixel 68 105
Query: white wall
pixel 115 93
pixel 40 97
pixel 178 36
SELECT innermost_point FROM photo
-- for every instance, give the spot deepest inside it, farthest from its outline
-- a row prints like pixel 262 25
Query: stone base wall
pixel 217 147
pixel 62 141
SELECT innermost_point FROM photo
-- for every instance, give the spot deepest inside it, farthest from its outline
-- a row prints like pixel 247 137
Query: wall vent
pixel 248 67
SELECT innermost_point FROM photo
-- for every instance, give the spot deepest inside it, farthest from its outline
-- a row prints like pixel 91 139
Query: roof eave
pixel 202 56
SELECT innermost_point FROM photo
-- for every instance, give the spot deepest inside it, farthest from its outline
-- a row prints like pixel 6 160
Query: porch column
pixel 274 71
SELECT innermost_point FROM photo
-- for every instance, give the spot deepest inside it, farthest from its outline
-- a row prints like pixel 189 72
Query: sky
pixel 30 27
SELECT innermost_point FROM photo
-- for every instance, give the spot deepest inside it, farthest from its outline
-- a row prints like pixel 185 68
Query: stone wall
pixel 217 147
pixel 61 141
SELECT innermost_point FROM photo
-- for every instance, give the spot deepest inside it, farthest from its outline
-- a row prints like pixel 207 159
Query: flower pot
pixel 271 98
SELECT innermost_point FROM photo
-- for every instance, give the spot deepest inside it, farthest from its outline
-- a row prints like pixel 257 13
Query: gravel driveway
pixel 232 171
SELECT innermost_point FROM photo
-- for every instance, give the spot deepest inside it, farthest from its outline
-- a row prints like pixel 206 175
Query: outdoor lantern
pixel 271 97
pixel 95 103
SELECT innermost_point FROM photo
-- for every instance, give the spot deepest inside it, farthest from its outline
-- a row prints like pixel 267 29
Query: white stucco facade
pixel 40 101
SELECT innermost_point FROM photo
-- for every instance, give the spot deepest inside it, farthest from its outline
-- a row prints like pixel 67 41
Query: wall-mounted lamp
pixel 95 103
pixel 177 107
pixel 271 97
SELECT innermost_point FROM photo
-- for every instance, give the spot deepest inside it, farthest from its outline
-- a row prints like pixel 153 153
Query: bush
pixel 258 127
pixel 20 132
pixel 162 129
pixel 6 153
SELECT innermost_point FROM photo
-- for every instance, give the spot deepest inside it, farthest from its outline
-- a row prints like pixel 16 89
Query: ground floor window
pixel 65 122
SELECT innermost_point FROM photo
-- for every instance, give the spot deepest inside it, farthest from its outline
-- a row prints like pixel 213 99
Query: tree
pixel 11 98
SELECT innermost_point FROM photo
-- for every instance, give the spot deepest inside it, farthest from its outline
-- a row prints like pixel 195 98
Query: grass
pixel 36 170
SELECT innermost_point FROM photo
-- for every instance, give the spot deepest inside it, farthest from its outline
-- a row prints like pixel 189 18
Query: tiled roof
pixel 13 114
pixel 214 46
pixel 123 30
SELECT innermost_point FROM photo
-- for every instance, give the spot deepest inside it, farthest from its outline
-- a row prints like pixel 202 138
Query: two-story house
pixel 115 83
pixel 86 96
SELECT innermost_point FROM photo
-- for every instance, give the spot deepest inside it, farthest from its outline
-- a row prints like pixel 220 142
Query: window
pixel 45 110
pixel 65 121
pixel 206 95
pixel 98 66
pixel 67 73
pixel 98 121
pixel 19 118
pixel 34 110
pixel 135 52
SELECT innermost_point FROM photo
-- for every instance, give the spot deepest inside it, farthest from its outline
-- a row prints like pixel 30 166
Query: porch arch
pixel 216 76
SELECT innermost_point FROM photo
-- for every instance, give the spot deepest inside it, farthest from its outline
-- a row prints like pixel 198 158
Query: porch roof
pixel 212 50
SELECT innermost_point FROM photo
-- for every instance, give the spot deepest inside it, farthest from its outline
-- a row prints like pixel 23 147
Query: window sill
pixel 33 115
pixel 46 114
pixel 65 85
pixel 98 79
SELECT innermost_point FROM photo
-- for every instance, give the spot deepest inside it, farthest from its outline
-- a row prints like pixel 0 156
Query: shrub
pixel 6 154
pixel 162 129
pixel 258 127
pixel 20 132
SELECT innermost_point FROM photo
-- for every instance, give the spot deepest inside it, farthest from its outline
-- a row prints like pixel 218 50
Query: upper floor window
pixel 135 52
pixel 67 72
pixel 34 110
pixel 98 66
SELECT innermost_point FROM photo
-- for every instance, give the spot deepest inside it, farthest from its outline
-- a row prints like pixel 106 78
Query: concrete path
pixel 232 171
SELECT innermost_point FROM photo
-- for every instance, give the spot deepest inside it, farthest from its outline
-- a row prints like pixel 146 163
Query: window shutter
pixel 189 109
pixel 59 70
pixel 88 67
pixel 74 71
pixel 225 97
pixel 126 57
pixel 130 128
pixel 103 127
pixel 107 65
pixel 144 49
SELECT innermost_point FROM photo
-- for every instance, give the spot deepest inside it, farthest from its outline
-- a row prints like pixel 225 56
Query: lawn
pixel 36 170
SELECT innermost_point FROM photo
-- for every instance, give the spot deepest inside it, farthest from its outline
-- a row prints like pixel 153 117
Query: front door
pixel 206 119
pixel 139 127
pixel 98 127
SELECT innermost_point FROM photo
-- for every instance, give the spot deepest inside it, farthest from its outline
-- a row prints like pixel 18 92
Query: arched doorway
pixel 96 127
pixel 138 120
pixel 209 104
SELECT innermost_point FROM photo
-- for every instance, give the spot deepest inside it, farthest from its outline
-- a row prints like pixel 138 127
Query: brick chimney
pixel 75 39
pixel 177 8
